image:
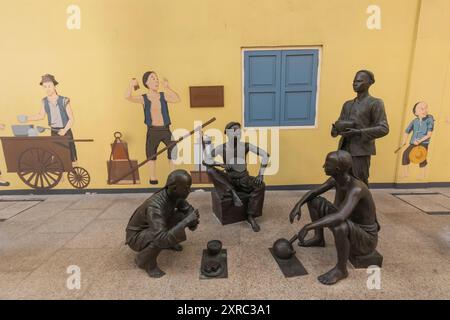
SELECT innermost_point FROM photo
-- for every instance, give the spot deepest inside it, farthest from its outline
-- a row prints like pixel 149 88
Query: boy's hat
pixel 48 78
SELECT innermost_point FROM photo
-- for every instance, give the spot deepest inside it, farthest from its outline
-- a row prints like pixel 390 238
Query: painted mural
pixel 46 142
pixel 3 183
pixel 156 116
pixel 417 137
pixel 41 160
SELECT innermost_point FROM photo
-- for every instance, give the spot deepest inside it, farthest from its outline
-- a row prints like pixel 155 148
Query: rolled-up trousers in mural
pixel 405 157
pixel 361 166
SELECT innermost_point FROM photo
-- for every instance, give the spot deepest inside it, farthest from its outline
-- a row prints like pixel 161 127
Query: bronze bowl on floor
pixel 214 247
pixel 282 248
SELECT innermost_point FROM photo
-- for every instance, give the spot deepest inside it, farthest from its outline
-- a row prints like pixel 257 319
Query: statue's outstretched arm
pixel 296 211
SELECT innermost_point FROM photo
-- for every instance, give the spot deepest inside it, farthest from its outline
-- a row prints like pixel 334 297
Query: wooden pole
pixel 207 123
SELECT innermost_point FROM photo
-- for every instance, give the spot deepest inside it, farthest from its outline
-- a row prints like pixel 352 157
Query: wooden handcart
pixel 41 162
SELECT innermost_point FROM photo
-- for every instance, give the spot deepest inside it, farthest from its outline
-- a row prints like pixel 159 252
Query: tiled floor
pixel 38 245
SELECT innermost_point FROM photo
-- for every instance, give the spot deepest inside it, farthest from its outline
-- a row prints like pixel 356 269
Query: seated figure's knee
pixel 315 203
pixel 341 229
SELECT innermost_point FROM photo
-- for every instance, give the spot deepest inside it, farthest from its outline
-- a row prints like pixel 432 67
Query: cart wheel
pixel 79 177
pixel 39 168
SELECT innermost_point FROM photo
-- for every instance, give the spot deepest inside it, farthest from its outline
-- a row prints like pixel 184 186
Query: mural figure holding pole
pixel 156 117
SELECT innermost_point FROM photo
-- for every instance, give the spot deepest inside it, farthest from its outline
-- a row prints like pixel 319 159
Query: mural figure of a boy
pixel 352 217
pixel 156 117
pixel 59 113
pixel 421 130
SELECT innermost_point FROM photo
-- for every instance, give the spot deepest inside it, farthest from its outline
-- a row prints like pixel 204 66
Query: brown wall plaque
pixel 208 96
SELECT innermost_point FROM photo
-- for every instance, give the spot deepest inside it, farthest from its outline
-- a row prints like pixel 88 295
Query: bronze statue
pixel 235 177
pixel 352 217
pixel 160 222
pixel 362 120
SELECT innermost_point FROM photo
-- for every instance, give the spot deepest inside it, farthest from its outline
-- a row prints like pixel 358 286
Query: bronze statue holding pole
pixel 235 178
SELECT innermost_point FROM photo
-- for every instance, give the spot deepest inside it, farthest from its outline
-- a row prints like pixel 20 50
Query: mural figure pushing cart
pixel 41 161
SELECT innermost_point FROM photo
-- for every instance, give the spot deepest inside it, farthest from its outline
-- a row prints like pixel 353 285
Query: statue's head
pixel 179 184
pixel 363 80
pixel 338 163
pixel 233 131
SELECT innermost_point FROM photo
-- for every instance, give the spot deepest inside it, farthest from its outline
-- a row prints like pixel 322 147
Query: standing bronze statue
pixel 160 222
pixel 235 177
pixel 362 120
pixel 352 217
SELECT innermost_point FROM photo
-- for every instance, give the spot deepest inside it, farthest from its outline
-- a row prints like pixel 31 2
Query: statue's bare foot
pixel 313 242
pixel 333 276
pixel 236 200
pixel 254 224
pixel 156 272
pixel 177 247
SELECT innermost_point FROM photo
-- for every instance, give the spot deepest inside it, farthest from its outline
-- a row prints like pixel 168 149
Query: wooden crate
pixel 200 177
pixel 121 167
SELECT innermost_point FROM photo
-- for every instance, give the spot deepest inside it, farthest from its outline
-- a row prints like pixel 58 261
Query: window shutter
pixel 262 88
pixel 298 87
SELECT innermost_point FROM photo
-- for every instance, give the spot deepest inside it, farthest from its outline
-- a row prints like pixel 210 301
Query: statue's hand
pixel 296 212
pixel 350 132
pixel 302 233
pixel 193 227
pixel 259 180
pixel 334 132
pixel 192 219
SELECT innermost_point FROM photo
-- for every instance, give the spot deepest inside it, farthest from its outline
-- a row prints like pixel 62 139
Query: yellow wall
pixel 199 42
pixel 430 82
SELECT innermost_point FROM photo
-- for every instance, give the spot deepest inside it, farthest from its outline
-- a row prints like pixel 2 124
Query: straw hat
pixel 418 154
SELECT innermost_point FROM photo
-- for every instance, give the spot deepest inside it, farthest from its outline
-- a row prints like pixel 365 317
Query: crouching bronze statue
pixel 160 222
pixel 352 217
